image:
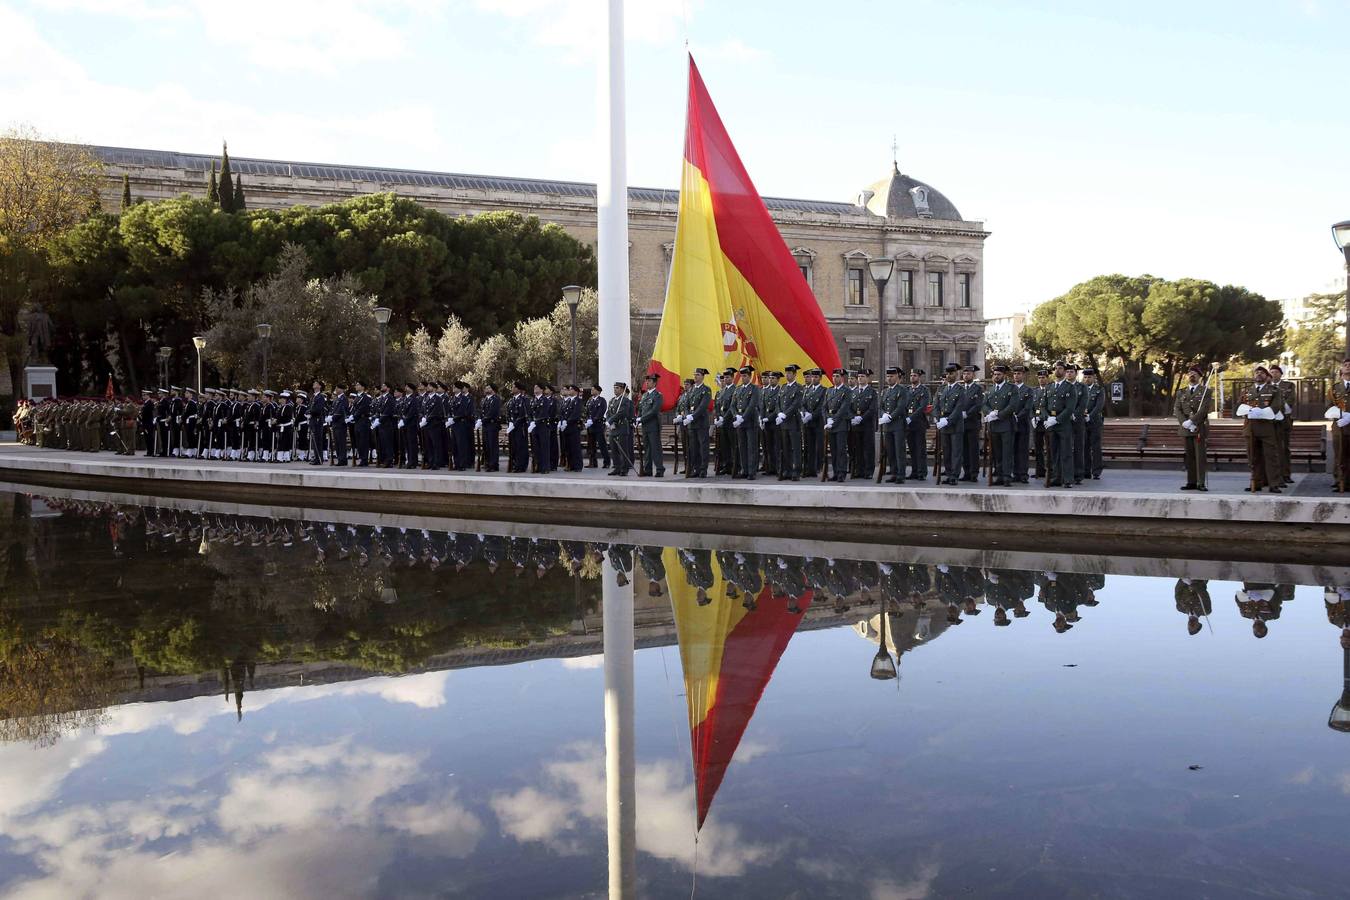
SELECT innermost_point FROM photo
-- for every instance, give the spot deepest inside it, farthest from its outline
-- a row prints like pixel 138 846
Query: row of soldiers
pixel 790 429
pixel 87 424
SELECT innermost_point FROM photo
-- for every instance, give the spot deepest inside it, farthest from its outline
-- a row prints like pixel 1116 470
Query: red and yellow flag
pixel 728 654
pixel 736 295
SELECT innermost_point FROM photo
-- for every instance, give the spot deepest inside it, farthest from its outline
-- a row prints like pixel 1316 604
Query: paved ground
pixel 1318 484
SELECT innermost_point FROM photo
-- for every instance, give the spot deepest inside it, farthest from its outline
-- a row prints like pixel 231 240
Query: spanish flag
pixel 728 654
pixel 736 296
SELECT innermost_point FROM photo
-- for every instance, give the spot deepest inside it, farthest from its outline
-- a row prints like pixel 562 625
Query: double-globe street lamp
pixel 1340 232
pixel 200 343
pixel 264 335
pixel 572 296
pixel 382 314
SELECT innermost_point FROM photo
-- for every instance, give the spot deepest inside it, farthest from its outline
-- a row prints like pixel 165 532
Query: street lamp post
pixel 883 666
pixel 572 295
pixel 164 354
pixel 382 314
pixel 1341 233
pixel 264 335
pixel 200 343
pixel 881 269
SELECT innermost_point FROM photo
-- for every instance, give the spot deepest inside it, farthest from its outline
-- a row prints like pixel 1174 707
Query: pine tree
pixel 239 204
pixel 126 193
pixel 226 182
pixel 212 191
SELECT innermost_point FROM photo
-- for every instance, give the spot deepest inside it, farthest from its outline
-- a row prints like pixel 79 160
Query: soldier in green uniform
pixel 681 429
pixel 768 425
pixel 813 423
pixel 1061 405
pixel 1093 422
pixel 649 420
pixel 1284 427
pixel 1191 409
pixel 917 408
pixel 999 410
pixel 619 427
pixel 1192 596
pixel 1021 424
pixel 1040 438
pixel 864 424
pixel 1261 602
pixel 1339 416
pixel 1079 422
pixel 745 413
pixel 722 418
pixel 789 422
pixel 696 421
pixel 951 423
pixel 838 412
pixel 971 404
pixel 1261 415
pixel 893 405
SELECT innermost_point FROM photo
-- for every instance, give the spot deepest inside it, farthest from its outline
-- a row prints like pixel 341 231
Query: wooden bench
pixel 1124 439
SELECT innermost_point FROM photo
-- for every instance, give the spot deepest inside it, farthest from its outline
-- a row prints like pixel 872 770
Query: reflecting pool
pixel 202 700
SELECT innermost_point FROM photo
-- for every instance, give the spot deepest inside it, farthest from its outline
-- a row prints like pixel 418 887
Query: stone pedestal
pixel 39 382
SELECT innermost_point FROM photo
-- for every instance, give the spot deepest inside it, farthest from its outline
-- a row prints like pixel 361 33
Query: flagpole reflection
pixel 620 763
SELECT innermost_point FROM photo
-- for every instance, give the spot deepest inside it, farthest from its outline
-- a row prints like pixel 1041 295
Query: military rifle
pixel 881 463
pixel 937 451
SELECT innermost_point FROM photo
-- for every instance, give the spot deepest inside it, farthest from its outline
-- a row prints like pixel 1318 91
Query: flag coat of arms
pixel 736 295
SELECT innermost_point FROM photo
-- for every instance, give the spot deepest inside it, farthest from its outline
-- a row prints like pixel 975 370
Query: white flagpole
pixel 620 753
pixel 612 212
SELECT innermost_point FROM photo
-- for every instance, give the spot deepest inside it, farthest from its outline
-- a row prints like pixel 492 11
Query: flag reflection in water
pixel 732 630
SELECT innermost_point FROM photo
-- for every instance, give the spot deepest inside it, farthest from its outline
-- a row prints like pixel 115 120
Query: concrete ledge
pixel 857 511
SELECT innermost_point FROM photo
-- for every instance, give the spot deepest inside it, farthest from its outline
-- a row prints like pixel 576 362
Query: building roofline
pixel 130 156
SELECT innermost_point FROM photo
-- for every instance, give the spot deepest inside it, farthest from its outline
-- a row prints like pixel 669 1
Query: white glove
pixel 1050 576
pixel 885 568
pixel 885 419
pixel 510 427
pixel 1188 424
pixel 327 420
pixel 942 423
pixel 562 426
pixel 829 423
pixel 806 416
pixel 1287 409
pixel 856 420
pixel 688 420
pixel 375 422
pixel 1051 421
pixel 1343 421
pixel 530 430
pixel 1242 410
pixel 762 421
pixel 239 423
pixel 477 424
pixel 991 417
pixel 738 422
pixel 350 419
pixel 400 423
pixel 590 423
pixel 908 419
pixel 965 413
pixel 1279 417
pixel 1194 428
pixel 780 418
pixel 1333 412
pixel 423 422
pixel 718 421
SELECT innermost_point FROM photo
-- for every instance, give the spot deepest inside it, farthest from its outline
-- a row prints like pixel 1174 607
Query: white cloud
pixel 571 800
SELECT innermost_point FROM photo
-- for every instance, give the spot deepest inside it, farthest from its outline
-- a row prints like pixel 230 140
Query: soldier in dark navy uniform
pixel 361 407
pixel 432 424
pixel 916 424
pixel 489 425
pixel 542 423
pixel 408 418
pixel 838 412
pixel 462 417
pixel 340 419
pixel 597 447
pixel 517 429
pixel 570 420
pixel 384 422
pixel 318 417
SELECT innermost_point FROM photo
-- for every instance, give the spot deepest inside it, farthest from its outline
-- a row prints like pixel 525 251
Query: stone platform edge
pixel 763 508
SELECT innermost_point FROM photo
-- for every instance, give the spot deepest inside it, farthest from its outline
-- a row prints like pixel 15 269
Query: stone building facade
pixel 935 298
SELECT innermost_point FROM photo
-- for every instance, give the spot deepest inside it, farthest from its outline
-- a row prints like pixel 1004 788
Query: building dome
pixel 901 197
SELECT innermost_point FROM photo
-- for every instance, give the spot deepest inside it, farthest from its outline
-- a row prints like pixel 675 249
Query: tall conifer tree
pixel 226 181
pixel 126 193
pixel 212 190
pixel 239 204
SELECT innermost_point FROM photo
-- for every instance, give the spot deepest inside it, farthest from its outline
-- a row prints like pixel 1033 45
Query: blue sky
pixel 1205 139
